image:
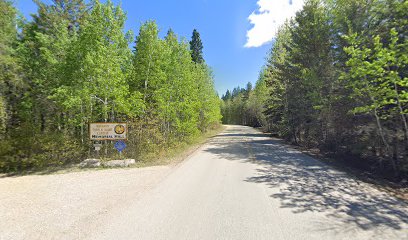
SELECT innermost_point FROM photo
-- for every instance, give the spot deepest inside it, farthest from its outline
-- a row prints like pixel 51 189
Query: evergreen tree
pixel 196 47
pixel 277 79
pixel 309 86
pixel 227 95
pixel 336 78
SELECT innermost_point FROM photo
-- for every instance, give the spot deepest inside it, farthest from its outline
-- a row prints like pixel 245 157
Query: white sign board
pixel 108 131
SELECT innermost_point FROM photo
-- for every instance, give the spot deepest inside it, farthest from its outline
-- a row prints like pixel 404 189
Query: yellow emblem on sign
pixel 119 129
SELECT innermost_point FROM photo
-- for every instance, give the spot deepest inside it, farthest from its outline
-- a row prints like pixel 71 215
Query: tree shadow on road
pixel 308 185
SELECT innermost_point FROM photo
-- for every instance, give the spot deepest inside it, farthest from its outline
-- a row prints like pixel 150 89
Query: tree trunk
pixel 147 77
pixel 403 118
pixel 382 135
pixel 395 152
pixel 82 124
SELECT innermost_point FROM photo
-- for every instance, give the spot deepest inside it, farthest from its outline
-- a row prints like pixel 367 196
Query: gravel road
pixel 240 185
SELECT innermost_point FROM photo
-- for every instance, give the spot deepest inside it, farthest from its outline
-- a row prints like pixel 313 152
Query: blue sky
pixel 236 34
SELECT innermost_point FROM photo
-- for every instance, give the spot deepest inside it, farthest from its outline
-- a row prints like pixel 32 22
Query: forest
pixel 336 80
pixel 72 64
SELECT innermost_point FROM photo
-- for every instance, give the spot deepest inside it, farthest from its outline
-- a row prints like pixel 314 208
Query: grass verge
pixel 177 154
pixel 167 156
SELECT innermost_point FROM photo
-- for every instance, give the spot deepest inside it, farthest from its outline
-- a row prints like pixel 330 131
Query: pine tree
pixel 196 47
pixel 276 78
pixel 309 84
pixel 227 95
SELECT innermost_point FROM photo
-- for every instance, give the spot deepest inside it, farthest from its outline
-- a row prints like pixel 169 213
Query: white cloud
pixel 267 19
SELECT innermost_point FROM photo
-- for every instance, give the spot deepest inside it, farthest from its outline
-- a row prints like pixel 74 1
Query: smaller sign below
pixel 97 146
pixel 120 145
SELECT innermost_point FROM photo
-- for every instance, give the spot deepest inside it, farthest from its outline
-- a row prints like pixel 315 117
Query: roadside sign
pixel 97 146
pixel 120 145
pixel 108 131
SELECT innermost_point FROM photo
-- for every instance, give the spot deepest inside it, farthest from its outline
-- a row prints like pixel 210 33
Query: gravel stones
pixel 91 163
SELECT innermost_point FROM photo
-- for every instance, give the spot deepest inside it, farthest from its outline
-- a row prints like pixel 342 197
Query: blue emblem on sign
pixel 120 145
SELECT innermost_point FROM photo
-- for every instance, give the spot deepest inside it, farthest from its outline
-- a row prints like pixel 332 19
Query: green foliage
pixel 336 79
pixel 97 68
pixel 246 106
pixel 277 74
pixel 25 152
pixel 148 63
pixel 3 117
pixel 177 91
pixel 72 65
pixel 375 73
pixel 9 79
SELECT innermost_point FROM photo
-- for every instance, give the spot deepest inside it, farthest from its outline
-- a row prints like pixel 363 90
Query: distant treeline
pixel 336 78
pixel 72 65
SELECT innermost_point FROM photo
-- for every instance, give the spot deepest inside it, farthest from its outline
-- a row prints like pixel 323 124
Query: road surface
pixel 240 185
